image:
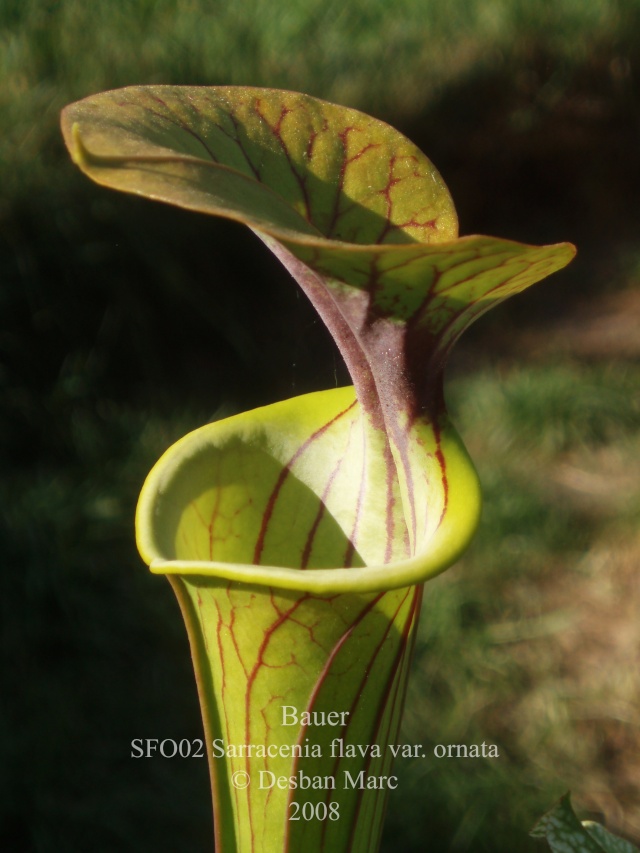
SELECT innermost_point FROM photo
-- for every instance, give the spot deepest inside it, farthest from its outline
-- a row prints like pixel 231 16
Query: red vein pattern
pixel 353 638
pixel 365 224
pixel 284 474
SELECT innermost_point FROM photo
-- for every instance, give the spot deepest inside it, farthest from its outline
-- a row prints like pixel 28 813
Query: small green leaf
pixel 609 843
pixel 565 834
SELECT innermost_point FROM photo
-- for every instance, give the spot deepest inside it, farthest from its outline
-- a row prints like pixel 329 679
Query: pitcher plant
pixel 297 537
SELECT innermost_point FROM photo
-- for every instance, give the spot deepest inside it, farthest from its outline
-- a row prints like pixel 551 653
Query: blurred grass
pixel 392 59
pixel 124 324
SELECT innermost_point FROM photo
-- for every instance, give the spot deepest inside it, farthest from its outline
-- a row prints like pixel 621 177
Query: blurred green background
pixel 123 324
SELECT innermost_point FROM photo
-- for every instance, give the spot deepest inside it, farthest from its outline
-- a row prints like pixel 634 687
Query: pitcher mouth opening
pixel 208 508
